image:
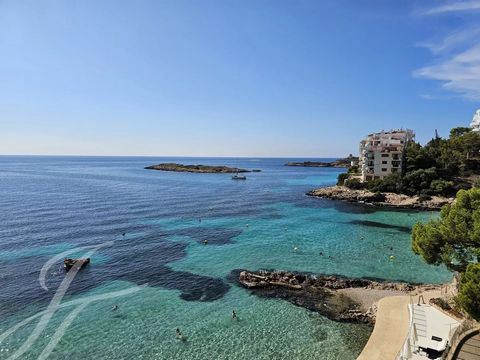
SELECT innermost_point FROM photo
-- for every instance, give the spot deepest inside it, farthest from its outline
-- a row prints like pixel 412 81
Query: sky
pixel 232 78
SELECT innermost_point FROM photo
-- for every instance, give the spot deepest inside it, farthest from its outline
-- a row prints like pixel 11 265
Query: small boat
pixel 78 263
pixel 239 177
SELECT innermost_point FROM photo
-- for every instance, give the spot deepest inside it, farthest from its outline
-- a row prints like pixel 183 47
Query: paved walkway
pixel 390 331
pixel 391 327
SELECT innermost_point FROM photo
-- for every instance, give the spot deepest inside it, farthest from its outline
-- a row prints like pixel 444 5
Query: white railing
pixel 406 351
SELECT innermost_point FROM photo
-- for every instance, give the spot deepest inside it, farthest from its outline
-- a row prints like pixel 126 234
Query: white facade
pixel 475 124
pixel 381 153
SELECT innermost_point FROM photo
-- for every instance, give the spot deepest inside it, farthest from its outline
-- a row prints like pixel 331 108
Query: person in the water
pixel 178 334
pixel 234 315
pixel 115 308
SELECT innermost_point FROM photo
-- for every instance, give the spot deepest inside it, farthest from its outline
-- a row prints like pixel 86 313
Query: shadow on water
pixel 341 206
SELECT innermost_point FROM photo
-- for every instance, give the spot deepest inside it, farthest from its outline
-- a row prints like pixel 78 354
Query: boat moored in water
pixel 239 177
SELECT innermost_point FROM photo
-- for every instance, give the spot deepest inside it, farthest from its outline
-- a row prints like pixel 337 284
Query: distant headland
pixel 340 163
pixel 197 168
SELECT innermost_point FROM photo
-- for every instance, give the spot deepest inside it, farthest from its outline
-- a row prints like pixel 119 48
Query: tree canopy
pixel 454 238
pixel 469 291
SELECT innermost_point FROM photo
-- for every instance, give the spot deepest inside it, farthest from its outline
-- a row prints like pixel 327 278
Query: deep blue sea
pixel 152 225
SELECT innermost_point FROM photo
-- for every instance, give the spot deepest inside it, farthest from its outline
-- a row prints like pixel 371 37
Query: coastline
pixel 338 298
pixel 391 200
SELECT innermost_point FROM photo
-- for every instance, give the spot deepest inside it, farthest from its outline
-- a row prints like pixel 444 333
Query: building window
pixel 394 170
pixel 384 155
pixel 384 162
pixel 384 169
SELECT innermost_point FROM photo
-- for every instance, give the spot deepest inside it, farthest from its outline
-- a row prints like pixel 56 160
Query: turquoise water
pixel 53 204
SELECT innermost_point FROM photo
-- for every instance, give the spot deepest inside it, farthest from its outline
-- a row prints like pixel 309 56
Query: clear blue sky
pixel 232 78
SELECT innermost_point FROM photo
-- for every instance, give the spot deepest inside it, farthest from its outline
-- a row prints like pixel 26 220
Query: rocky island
pixel 338 298
pixel 385 199
pixel 340 163
pixel 196 168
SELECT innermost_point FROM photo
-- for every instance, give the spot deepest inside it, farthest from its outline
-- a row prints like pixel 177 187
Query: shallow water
pixel 53 204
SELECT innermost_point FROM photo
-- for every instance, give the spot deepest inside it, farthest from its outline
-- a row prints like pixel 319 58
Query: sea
pixel 151 272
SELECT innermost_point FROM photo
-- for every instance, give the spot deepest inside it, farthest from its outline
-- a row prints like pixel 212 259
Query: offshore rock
pixel 196 168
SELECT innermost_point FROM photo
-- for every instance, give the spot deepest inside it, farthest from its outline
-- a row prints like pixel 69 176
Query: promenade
pixel 390 331
pixel 391 326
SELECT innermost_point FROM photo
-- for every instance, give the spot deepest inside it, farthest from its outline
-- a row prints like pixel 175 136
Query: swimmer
pixel 205 242
pixel 178 334
pixel 115 308
pixel 123 234
pixel 234 315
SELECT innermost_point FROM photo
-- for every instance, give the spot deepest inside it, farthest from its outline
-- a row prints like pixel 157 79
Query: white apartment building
pixel 381 153
pixel 475 124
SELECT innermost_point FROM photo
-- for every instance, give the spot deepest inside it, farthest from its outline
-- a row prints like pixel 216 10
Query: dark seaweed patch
pixel 145 263
pixel 214 235
pixel 381 225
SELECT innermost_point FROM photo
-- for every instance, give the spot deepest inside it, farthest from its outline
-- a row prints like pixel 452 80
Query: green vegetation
pixel 341 178
pixel 469 291
pixel 454 240
pixel 438 168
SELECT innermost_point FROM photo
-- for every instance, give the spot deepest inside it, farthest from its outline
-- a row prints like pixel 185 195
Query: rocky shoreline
pixel 338 298
pixel 197 168
pixel 393 200
pixel 340 163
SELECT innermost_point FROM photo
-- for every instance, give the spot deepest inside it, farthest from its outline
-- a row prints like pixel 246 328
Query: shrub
pixel 353 169
pixel 354 184
pixel 341 178
pixel 469 290
pixel 442 187
pixel 415 181
pixel 391 183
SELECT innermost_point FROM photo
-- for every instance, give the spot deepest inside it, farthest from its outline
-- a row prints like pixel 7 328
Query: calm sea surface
pixel 49 205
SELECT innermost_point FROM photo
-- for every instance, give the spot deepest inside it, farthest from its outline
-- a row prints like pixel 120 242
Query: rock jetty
pixel 393 200
pixel 332 296
pixel 196 168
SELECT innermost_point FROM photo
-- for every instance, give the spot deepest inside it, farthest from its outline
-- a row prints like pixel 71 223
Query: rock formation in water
pixel 321 293
pixel 196 168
